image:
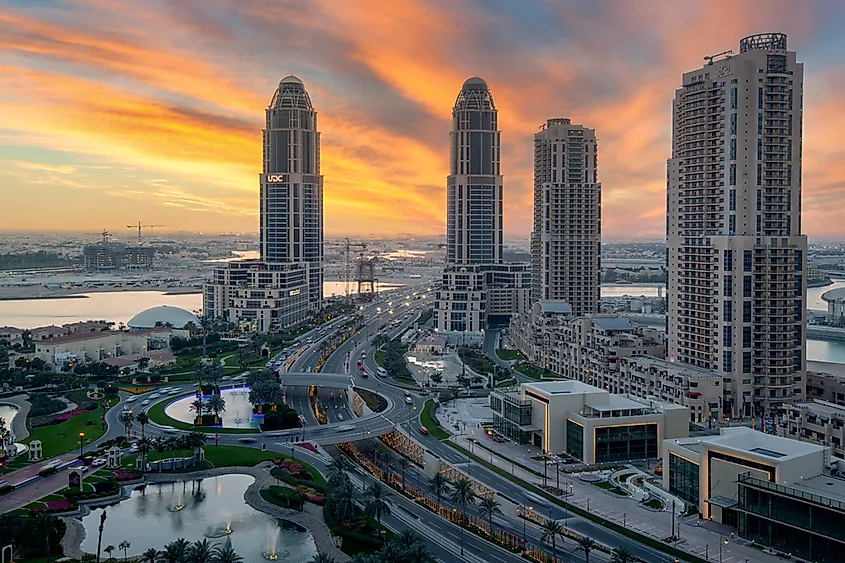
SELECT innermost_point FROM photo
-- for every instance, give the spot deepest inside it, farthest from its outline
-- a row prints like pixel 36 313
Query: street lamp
pixel 81 438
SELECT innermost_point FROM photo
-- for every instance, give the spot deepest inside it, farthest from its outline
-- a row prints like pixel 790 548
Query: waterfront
pixel 238 413
pixel 212 508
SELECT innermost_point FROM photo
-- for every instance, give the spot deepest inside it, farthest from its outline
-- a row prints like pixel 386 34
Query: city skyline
pixel 166 130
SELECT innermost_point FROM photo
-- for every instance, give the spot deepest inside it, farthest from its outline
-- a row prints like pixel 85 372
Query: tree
pixel 216 404
pixel 437 485
pixel 198 406
pixel 404 463
pixel 226 554
pixel 586 545
pixel 490 506
pixel 174 552
pixel 551 531
pixel 322 558
pixel 109 549
pixel 243 358
pixel 463 495
pixel 343 499
pixel 150 556
pixel 124 546
pixel 200 552
pixel 143 364
pixel 337 471
pixel 437 378
pixel 375 501
pixel 622 555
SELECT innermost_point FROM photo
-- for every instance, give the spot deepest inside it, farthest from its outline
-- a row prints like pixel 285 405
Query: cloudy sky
pixel 116 111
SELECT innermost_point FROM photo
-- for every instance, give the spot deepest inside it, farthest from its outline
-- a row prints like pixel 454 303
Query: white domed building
pixel 163 315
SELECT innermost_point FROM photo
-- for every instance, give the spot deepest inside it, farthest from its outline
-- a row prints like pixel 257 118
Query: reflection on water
pixel 7 413
pixel 238 409
pixel 212 508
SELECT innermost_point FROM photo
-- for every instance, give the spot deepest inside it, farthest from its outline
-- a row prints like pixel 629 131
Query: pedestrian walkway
pixel 702 538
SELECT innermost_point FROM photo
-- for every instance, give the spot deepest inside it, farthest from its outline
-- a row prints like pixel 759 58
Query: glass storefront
pixel 575 440
pixel 684 479
pixel 772 515
pixel 628 442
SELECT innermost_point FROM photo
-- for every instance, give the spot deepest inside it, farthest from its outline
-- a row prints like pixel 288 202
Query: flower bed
pixel 68 415
pixel 56 506
pixel 137 390
pixel 311 495
pixel 308 446
pixel 121 475
pixel 292 468
pixel 96 395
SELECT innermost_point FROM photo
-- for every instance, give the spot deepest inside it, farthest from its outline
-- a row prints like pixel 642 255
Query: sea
pixel 120 306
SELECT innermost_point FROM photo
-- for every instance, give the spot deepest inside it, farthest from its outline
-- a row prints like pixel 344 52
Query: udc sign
pixel 276 178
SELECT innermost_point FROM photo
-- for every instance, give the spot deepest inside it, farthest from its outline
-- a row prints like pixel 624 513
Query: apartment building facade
pixel 736 255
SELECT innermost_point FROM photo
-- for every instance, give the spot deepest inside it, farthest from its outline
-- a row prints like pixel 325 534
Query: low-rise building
pixel 828 387
pixel 433 344
pixel 778 492
pixel 818 422
pixel 584 422
pixel 88 347
pixel 45 332
pixel 11 335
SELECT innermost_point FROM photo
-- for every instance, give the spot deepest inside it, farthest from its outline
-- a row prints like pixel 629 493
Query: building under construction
pixel 106 256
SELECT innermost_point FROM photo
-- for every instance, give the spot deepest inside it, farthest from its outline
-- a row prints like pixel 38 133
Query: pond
pixel 8 413
pixel 212 508
pixel 238 409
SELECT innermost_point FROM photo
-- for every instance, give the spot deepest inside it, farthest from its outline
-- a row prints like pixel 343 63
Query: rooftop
pixel 820 407
pixel 834 295
pixel 613 323
pixel 749 441
pixel 822 485
pixel 568 387
pixel 555 307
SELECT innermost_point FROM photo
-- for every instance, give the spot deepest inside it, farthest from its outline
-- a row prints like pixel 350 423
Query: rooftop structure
pixel 163 315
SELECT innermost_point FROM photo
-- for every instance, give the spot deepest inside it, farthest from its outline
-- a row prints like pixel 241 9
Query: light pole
pixel 81 438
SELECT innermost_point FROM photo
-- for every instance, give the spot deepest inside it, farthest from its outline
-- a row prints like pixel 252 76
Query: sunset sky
pixel 114 111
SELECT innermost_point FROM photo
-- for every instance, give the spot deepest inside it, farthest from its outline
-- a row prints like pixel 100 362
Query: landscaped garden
pixel 63 435
pixel 428 421
pixel 508 354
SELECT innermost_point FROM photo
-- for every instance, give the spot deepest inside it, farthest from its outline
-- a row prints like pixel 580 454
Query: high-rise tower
pixel 474 185
pixel 736 255
pixel 291 185
pixel 566 242
pixel 477 284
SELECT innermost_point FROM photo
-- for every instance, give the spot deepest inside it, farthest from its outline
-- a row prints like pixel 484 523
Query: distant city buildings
pixel 107 256
pixel 285 285
pixel 477 284
pixel 736 255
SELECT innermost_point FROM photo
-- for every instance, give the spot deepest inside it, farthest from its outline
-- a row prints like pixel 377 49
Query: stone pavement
pixel 702 538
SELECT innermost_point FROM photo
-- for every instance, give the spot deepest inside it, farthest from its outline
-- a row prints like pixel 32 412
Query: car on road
pixel 363 355
pixel 247 440
pixel 423 430
pixel 364 374
pixel 98 462
pixel 347 428
pixel 363 368
pixel 409 400
pixel 381 372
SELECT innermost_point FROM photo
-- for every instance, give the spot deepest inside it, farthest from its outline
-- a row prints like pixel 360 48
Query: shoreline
pixel 39 293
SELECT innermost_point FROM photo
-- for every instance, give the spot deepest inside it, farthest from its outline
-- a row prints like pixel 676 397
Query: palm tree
pixel 198 406
pixel 109 549
pixel 586 545
pixel 216 404
pixel 49 524
pixel 622 555
pixel 490 506
pixel 343 498
pixel 124 547
pixel 174 552
pixel 388 462
pixel 375 501
pixel 200 551
pixel 337 471
pixel 463 495
pixel 150 556
pixel 437 485
pixel 418 553
pixel 226 554
pixel 551 530
pixel 437 378
pixel 142 418
pixel 243 357
pixel 322 558
pixel 404 463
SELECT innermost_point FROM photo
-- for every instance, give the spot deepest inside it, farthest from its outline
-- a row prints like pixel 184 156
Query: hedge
pixel 288 496
pixel 336 527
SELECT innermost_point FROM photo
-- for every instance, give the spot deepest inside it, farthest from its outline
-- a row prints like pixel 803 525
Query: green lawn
pixel 379 357
pixel 59 439
pixel 427 419
pixel 532 371
pixel 607 486
pixel 157 415
pixel 508 355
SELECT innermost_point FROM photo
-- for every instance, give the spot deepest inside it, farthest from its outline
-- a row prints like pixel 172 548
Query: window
pixel 732 224
pixel 759 174
pixel 733 149
pixel 746 337
pixel 732 200
pixel 746 362
pixel 760 123
pixel 727 283
pixel 575 440
pixel 733 124
pixel 746 286
pixel 727 312
pixel 760 98
pixel 728 263
pixel 733 98
pixel 747 260
pixel 727 364
pixel 683 479
pixel 746 311
pixel 727 335
pixel 733 174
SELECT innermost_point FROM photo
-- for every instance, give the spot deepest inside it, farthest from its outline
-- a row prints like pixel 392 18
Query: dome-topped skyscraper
pixel 291 185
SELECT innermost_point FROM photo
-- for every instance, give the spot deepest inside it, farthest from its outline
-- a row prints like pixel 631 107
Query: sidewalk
pixel 701 538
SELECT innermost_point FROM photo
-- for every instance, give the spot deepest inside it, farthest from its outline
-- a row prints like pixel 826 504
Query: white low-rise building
pixel 587 423
pixel 89 347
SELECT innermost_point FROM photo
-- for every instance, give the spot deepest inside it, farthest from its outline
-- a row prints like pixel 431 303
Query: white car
pixel 98 462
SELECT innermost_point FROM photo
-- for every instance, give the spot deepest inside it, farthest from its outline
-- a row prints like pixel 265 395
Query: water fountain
pixel 273 552
pixel 221 531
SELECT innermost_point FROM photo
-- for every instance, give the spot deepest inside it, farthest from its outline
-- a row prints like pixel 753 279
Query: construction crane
pixel 139 226
pixel 348 271
pixel 105 234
